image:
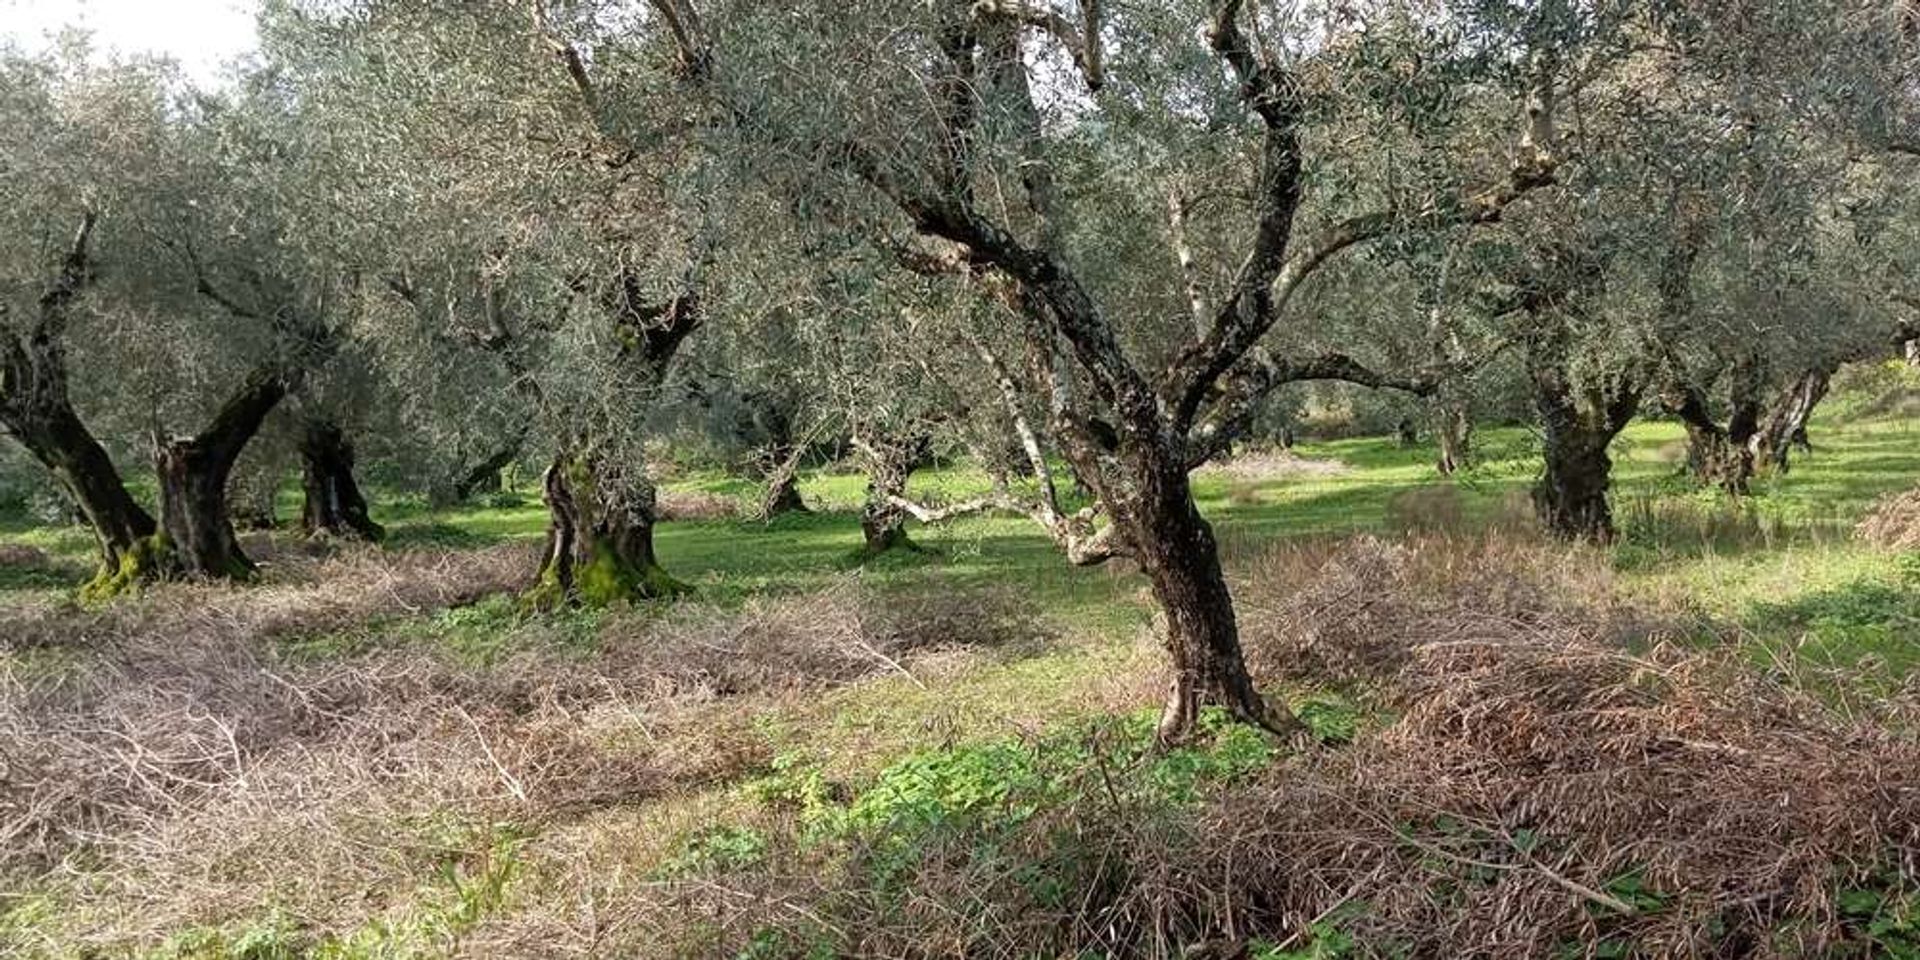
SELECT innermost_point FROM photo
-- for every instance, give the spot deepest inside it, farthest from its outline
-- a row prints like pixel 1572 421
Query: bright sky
pixel 201 34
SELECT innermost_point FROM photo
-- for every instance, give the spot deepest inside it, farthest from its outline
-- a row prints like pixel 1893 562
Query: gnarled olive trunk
pixel 37 410
pixel 252 496
pixel 1785 426
pixel 1175 547
pixel 599 547
pixel 782 493
pixel 1453 434
pixel 1571 496
pixel 57 438
pixel 1577 427
pixel 1720 456
pixel 600 519
pixel 334 506
pixel 891 461
pixel 193 474
pixel 482 477
pixel 200 541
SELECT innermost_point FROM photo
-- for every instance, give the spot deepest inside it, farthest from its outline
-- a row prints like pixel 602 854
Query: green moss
pixel 144 562
pixel 604 580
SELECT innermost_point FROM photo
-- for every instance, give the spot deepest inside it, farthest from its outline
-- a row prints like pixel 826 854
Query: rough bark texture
pixel 334 506
pixel 55 436
pixel 599 547
pixel 1571 496
pixel 1453 434
pixel 193 474
pixel 1175 548
pixel 891 461
pixel 600 521
pixel 1719 455
pixel 252 496
pixel 37 410
pixel 1577 427
pixel 1785 426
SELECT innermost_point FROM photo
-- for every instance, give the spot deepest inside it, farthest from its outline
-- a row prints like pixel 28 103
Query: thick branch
pixel 67 283
pixel 1271 273
pixel 240 417
pixel 1081 42
pixel 1259 374
pixel 570 58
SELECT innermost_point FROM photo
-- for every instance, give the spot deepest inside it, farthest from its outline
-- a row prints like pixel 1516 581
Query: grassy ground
pixel 749 765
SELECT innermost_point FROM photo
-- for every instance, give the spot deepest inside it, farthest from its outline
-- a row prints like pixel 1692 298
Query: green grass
pixel 935 758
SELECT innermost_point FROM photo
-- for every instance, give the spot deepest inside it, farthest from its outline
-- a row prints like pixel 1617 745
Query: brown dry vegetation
pixel 1894 522
pixel 1549 768
pixel 182 759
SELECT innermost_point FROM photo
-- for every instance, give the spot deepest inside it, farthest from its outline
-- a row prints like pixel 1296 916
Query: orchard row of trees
pixel 1090 242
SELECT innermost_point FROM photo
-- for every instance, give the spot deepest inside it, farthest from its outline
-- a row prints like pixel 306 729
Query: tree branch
pixel 570 58
pixel 1271 274
pixel 73 276
pixel 1082 43
pixel 1259 374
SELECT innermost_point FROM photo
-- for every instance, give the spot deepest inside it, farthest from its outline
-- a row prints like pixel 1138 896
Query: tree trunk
pixel 1716 455
pixel 1577 427
pixel 1453 433
pixel 193 512
pixel 1786 424
pixel 193 474
pixel 37 410
pixel 1175 548
pixel 891 461
pixel 1714 458
pixel 783 489
pixel 1912 351
pixel 334 506
pixel 1571 497
pixel 485 475
pixel 121 527
pixel 599 548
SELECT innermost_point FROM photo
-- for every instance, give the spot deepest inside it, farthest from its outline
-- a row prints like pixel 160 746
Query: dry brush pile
pixel 1894 522
pixel 1548 770
pixel 163 762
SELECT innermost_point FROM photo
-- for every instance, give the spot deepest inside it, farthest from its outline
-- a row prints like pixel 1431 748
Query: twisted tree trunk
pixel 782 495
pixel 1453 434
pixel 891 461
pixel 599 547
pixel 122 529
pixel 1175 547
pixel 334 506
pixel 601 515
pixel 193 473
pixel 1785 426
pixel 37 410
pixel 1577 428
pixel 779 460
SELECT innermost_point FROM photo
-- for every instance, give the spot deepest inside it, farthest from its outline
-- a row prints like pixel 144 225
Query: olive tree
pixel 928 116
pixel 70 134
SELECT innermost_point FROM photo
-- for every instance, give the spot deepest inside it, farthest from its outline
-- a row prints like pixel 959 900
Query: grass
pixel 914 750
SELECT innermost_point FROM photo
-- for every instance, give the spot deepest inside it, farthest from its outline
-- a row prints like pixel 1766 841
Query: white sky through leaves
pixel 201 34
